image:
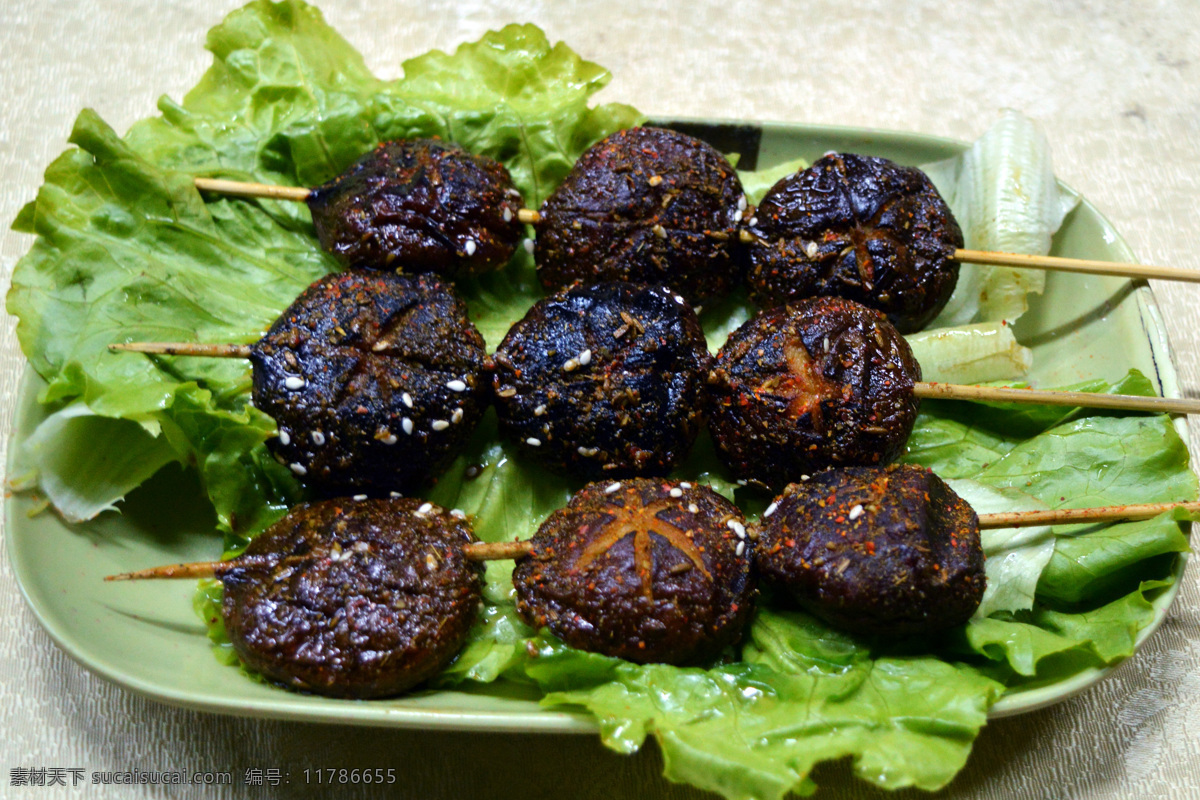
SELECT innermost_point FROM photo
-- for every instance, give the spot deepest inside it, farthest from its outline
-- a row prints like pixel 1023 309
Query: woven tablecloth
pixel 1116 87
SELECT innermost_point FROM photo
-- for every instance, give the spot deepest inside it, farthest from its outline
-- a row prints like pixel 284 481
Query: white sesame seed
pixel 293 382
pixel 506 391
pixel 735 215
pixel 361 547
pixel 571 365
pixel 456 386
pixel 856 512
pixel 770 509
pixel 359 497
pixel 803 477
pixel 753 221
pixel 425 508
pixel 742 203
pixel 737 528
pixel 684 485
pixel 826 344
pixel 532 442
pixel 470 247
pixel 676 492
pixel 318 438
pixel 285 438
pixel 528 244
pixel 742 482
pixel 457 416
pixel 298 468
pixel 514 192
pixel 659 231
pixel 458 513
pixel 612 487
pixel 537 412
pixel 693 508
pixel 811 249
pixel 390 438
pixel 697 309
pixel 587 452
pixel 406 425
pixel 741 548
pixel 584 358
pixel 439 424
pixel 406 398
pixel 507 214
pixel 395 495
pixel 679 299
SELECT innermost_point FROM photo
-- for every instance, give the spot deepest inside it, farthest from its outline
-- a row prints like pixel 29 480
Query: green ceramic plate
pixel 145 636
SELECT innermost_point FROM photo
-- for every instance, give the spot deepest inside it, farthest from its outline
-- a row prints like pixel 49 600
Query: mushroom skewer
pixel 933 391
pixel 962 255
pixel 646 570
pixel 422 205
pixel 892 552
pixel 829 382
pixel 375 380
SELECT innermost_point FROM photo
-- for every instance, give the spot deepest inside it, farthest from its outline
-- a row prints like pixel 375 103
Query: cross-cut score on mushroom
pixel 646 570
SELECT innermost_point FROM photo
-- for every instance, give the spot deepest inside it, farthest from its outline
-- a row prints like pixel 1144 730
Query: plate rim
pixel 546 720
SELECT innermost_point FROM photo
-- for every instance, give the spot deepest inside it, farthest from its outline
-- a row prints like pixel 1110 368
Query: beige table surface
pixel 1116 86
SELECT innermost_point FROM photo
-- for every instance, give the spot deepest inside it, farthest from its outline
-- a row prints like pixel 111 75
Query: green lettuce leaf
pixel 804 694
pixel 128 250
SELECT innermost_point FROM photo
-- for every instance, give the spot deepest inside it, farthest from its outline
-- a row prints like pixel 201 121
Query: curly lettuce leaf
pixel 803 694
pixel 128 250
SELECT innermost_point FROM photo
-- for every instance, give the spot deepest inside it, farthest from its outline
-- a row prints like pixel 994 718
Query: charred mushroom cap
pixel 420 205
pixel 644 570
pixel 645 205
pixel 858 227
pixel 376 381
pixel 363 598
pixel 881 551
pixel 819 383
pixel 604 380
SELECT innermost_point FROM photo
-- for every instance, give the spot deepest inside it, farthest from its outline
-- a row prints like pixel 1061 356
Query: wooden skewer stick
pixel 476 551
pixel 1082 265
pixel 185 349
pixel 999 394
pixel 244 189
pixel 939 391
pixel 1065 516
pixel 531 216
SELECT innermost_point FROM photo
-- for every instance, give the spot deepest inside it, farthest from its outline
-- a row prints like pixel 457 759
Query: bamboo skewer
pixel 1002 394
pixel 938 391
pixel 476 551
pixel 1066 516
pixel 185 349
pixel 496 551
pixel 531 216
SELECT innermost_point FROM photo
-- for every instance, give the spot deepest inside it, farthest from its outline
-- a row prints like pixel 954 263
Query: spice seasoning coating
pixel 420 205
pixel 604 380
pixel 858 227
pixel 359 372
pixel 359 598
pixel 645 205
pixel 818 383
pixel 890 552
pixel 632 570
